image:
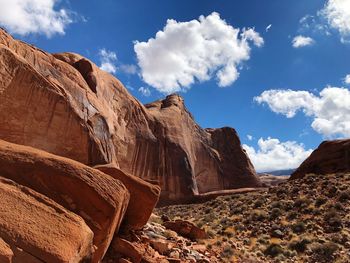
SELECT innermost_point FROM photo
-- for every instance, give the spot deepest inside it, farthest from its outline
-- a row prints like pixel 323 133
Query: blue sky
pixel 274 103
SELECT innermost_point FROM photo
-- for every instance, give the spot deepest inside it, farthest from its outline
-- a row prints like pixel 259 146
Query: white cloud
pixel 249 137
pixel 347 79
pixel 34 16
pixel 275 155
pixel 330 110
pixel 145 91
pixel 128 69
pixel 302 41
pixel 108 60
pixel 337 13
pixel 186 52
pixel 268 28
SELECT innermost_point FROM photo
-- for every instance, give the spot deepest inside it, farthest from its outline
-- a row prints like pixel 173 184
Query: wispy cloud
pixel 302 41
pixel 145 91
pixel 268 28
pixel 108 60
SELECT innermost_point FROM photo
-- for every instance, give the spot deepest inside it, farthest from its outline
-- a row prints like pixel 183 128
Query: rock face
pixel 57 235
pixel 143 197
pixel 329 157
pixel 99 199
pixel 66 105
pixel 6 253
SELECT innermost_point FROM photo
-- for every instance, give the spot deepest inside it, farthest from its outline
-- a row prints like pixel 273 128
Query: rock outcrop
pixel 99 199
pixel 66 105
pixel 143 197
pixel 330 157
pixel 37 229
pixel 6 253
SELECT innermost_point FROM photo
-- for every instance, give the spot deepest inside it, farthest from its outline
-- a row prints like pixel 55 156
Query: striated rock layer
pixel 98 198
pixel 66 105
pixel 57 236
pixel 329 157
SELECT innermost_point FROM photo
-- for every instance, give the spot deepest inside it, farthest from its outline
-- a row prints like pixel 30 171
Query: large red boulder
pixel 98 198
pixel 143 197
pixel 38 229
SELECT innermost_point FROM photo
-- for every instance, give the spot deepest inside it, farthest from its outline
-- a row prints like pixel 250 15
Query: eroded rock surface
pixel 66 105
pixel 329 157
pixel 98 198
pixel 143 197
pixel 37 229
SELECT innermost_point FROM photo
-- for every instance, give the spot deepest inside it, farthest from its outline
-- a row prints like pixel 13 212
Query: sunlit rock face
pixel 64 104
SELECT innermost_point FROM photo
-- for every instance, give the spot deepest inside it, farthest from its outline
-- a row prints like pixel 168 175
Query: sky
pixel 276 71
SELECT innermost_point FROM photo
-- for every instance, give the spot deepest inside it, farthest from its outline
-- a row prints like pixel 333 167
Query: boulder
pixel 38 229
pixel 330 157
pixel 127 249
pixel 186 229
pixel 98 198
pixel 143 197
pixel 6 253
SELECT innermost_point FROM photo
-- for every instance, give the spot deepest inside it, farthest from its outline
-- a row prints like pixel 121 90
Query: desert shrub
pixel 273 250
pixel 298 227
pixel 320 201
pixel 275 212
pixel 227 252
pixel 344 196
pixel 292 215
pixel 325 250
pixel 333 220
pixel 258 215
pixel 332 191
pixel 258 203
pixel 301 202
pixel 299 245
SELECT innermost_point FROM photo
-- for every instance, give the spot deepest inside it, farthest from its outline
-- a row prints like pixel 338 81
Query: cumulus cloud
pixel 186 52
pixel 302 41
pixel 330 109
pixel 337 13
pixel 275 155
pixel 347 79
pixel 249 137
pixel 145 91
pixel 108 60
pixel 34 16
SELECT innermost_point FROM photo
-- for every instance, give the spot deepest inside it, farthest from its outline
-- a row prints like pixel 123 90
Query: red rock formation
pixel 186 229
pixel 6 253
pixel 329 157
pixel 143 197
pixel 99 199
pixel 66 105
pixel 39 230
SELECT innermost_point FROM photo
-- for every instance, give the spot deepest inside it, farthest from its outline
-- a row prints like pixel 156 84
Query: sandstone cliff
pixel 66 105
pixel 330 157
